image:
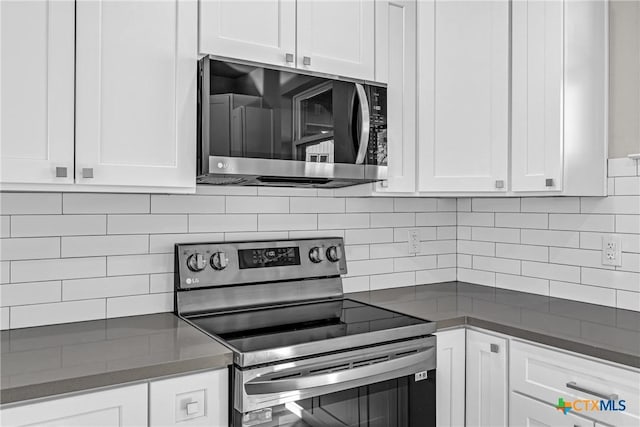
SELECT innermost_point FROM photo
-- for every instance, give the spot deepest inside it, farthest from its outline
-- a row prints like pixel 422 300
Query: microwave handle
pixel 364 130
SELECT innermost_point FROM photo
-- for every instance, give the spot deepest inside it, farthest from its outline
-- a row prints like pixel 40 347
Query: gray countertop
pixel 50 360
pixel 604 332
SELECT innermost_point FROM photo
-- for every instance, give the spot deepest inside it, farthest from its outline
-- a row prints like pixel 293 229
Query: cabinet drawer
pixel 549 375
pixel 525 411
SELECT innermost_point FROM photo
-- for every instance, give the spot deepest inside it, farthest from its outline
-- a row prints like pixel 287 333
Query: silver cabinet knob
pixel 548 182
pixel 219 261
pixel 87 172
pixel 288 57
pixel 495 348
pixel 306 60
pixel 196 262
pixel 316 255
pixel 61 172
pixel 334 253
pixel 499 183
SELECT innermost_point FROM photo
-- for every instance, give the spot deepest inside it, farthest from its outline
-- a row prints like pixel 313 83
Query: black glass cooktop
pixel 282 326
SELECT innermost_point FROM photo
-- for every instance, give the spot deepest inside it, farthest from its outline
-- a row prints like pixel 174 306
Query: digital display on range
pixel 268 257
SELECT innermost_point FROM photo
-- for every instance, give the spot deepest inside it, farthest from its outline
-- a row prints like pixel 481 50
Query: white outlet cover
pixel 611 250
pixel 414 241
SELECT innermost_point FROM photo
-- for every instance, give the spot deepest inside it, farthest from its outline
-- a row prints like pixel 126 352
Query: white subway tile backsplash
pixel 628 224
pixel 354 252
pixel 627 186
pixel 5 272
pixel 487 278
pixel 447 205
pixel 124 265
pixel 304 234
pixel 103 287
pixel 360 204
pixel 145 224
pixel 498 265
pixel 317 205
pixel 5 226
pixel 476 248
pixel 430 219
pixel 57 225
pixel 29 248
pixel 464 260
pixel 363 236
pixel 628 300
pixel 435 276
pixel 103 203
pixel 389 250
pixel 463 232
pixel 568 239
pixel 622 167
pixel 244 204
pixel 581 257
pixel 611 186
pixel 577 292
pixel 581 222
pixel 222 190
pixel 629 281
pixel 480 219
pixel 82 246
pixel 336 221
pixel 447 261
pixel 287 222
pixel 558 272
pixel 629 205
pixel 629 242
pixel 222 223
pixel 23 316
pixel 393 220
pixel 551 204
pixel 355 284
pixel 413 263
pixel 162 282
pixel 30 293
pixel 522 220
pixel 57 269
pixel 489 234
pixel 290 191
pixel 187 203
pixel 261 235
pixel 503 204
pixel 630 262
pixel 139 304
pixel 531 285
pixel 367 267
pixel 464 205
pixel 438 247
pixel 4 318
pixel 410 204
pixel 392 280
pixel 165 243
pixel 522 252
pixel 425 233
pixel 446 233
pixel 30 203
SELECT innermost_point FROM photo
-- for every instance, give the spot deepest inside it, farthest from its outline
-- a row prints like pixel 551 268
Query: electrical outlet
pixel 414 241
pixel 611 250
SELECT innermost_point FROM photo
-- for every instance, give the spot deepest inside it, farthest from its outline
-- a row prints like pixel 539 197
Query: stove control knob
pixel 219 261
pixel 334 253
pixel 316 255
pixel 196 262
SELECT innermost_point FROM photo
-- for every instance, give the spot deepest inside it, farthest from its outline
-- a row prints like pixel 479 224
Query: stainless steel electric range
pixel 303 354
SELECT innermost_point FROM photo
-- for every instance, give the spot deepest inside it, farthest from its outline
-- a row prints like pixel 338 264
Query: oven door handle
pixel 364 127
pixel 382 371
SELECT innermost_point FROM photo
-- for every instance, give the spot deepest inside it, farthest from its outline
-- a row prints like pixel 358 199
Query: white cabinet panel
pixel 537 89
pixel 36 90
pixel 193 400
pixel 450 378
pixel 463 91
pixel 136 93
pixel 260 31
pixel 487 390
pixel 336 37
pixel 528 412
pixel 124 407
pixel 396 65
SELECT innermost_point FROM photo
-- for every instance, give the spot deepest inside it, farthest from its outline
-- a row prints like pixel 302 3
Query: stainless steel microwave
pixel 276 127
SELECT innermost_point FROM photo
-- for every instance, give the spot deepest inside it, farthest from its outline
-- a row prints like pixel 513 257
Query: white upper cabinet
pixel 36 91
pixel 136 75
pixel 463 92
pixel 337 37
pixel 559 96
pixel 260 31
pixel 396 65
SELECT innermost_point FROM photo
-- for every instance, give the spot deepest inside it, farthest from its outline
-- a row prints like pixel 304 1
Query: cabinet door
pixel 396 66
pixel 36 91
pixel 537 85
pixel 261 31
pixel 125 406
pixel 525 411
pixel 486 394
pixel 193 400
pixel 463 95
pixel 450 377
pixel 336 37
pixel 136 93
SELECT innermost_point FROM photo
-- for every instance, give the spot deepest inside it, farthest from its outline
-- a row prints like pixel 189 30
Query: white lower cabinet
pixel 124 406
pixel 487 386
pixel 450 376
pixel 193 400
pixel 525 411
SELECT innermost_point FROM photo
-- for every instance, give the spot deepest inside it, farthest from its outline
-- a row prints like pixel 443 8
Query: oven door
pixel 388 385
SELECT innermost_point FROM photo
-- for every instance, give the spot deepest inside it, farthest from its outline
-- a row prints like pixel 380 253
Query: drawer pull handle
pixel 574 386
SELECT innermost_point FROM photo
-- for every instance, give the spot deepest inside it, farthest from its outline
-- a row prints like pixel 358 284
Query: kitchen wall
pixel 75 256
pixel 552 246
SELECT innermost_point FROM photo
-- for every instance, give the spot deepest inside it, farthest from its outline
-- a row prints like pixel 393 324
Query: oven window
pixel 401 402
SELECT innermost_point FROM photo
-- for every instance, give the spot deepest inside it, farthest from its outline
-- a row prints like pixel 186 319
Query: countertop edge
pixel 55 388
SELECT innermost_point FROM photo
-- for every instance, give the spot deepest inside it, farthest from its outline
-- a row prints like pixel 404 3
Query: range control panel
pixel 231 263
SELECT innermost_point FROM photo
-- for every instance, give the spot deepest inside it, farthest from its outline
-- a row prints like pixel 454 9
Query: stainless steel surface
pixel 233 274
pixel 306 60
pixel 252 388
pixel 61 172
pixel 87 172
pixel 499 183
pixel 548 182
pixel 495 348
pixel 366 122
pixel 606 396
pixel 288 57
